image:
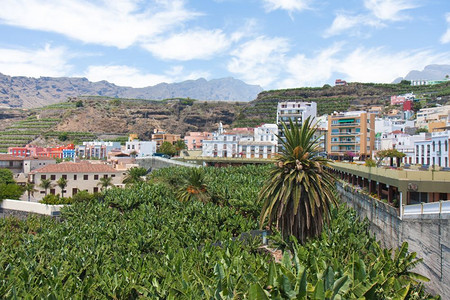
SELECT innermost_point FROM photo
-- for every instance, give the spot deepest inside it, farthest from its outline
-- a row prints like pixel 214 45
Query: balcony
pixel 346 125
pixel 345 133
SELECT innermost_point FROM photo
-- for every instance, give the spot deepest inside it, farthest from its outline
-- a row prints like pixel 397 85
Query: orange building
pixel 160 137
pixel 351 132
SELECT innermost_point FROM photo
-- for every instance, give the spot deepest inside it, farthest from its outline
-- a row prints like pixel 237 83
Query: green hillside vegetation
pixel 338 98
pixel 24 131
pixel 141 242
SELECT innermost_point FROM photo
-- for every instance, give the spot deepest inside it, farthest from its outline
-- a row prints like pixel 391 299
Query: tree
pixel 29 188
pixel 105 182
pixel 6 176
pixel 134 175
pixel 194 187
pixel 300 192
pixel 62 183
pixel 63 136
pixel 391 153
pixel 8 187
pixel 79 103
pixel 421 129
pixel 46 184
pixel 167 148
pixel 179 146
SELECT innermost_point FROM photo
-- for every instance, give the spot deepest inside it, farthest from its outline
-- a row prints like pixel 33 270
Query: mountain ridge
pixel 30 92
pixel 429 72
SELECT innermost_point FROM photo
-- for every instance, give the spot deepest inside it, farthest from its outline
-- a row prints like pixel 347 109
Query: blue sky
pixel 273 43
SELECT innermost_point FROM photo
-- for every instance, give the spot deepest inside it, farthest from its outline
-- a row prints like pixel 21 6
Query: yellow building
pixel 160 137
pixel 351 132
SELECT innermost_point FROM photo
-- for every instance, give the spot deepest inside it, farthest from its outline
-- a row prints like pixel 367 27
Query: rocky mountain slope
pixel 430 72
pixel 27 92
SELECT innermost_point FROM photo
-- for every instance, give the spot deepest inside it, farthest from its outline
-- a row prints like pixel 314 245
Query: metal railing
pixel 441 207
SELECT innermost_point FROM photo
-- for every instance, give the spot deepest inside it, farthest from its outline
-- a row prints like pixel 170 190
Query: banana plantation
pixel 181 235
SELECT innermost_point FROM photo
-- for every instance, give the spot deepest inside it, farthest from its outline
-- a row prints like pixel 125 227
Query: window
pixel 85 177
pixel 95 177
pixel 105 176
pixel 113 175
pixel 75 177
pixel 64 176
pixel 43 177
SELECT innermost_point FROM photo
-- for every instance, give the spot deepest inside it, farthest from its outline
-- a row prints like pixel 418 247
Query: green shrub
pixel 56 199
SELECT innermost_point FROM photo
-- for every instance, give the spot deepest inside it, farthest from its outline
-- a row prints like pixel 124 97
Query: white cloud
pixel 111 23
pixel 389 9
pixel 343 23
pixel 49 61
pixel 314 71
pixel 378 65
pixel 380 11
pixel 289 5
pixel 359 65
pixel 260 60
pixel 193 44
pixel 445 38
pixel 129 76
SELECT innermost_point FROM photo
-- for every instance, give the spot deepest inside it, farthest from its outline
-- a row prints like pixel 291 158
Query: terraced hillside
pixel 88 118
pixel 338 98
pixel 25 131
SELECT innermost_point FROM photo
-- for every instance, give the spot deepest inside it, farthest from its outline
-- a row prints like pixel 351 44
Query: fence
pixel 441 207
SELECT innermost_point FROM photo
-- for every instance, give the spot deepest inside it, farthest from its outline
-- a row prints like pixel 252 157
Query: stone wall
pixel 427 235
pixel 14 213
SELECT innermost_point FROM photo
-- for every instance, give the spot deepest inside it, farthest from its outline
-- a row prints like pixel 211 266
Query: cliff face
pixel 27 92
pixel 142 117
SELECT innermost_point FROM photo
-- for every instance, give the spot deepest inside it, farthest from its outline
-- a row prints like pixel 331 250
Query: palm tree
pixel 105 182
pixel 62 183
pixel 134 175
pixel 179 145
pixel 29 188
pixel 46 184
pixel 300 192
pixel 194 187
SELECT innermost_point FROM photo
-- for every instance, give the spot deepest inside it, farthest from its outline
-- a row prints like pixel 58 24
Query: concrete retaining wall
pixel 427 235
pixel 155 163
pixel 22 209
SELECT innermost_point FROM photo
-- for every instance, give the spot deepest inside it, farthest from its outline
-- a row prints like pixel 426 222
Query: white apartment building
pixel 226 144
pixel 263 145
pixel 432 114
pixel 295 111
pixel 402 142
pixel 384 125
pixel 141 148
pixel 96 149
pixel 433 151
pixel 260 142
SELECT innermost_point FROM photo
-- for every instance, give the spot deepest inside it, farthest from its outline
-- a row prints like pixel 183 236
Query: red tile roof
pixel 71 167
pixel 396 132
pixel 8 157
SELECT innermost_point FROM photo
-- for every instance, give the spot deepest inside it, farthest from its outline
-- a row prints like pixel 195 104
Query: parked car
pixel 161 155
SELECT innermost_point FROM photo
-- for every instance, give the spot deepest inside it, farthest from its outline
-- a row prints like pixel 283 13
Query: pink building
pixel 396 100
pixel 194 140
